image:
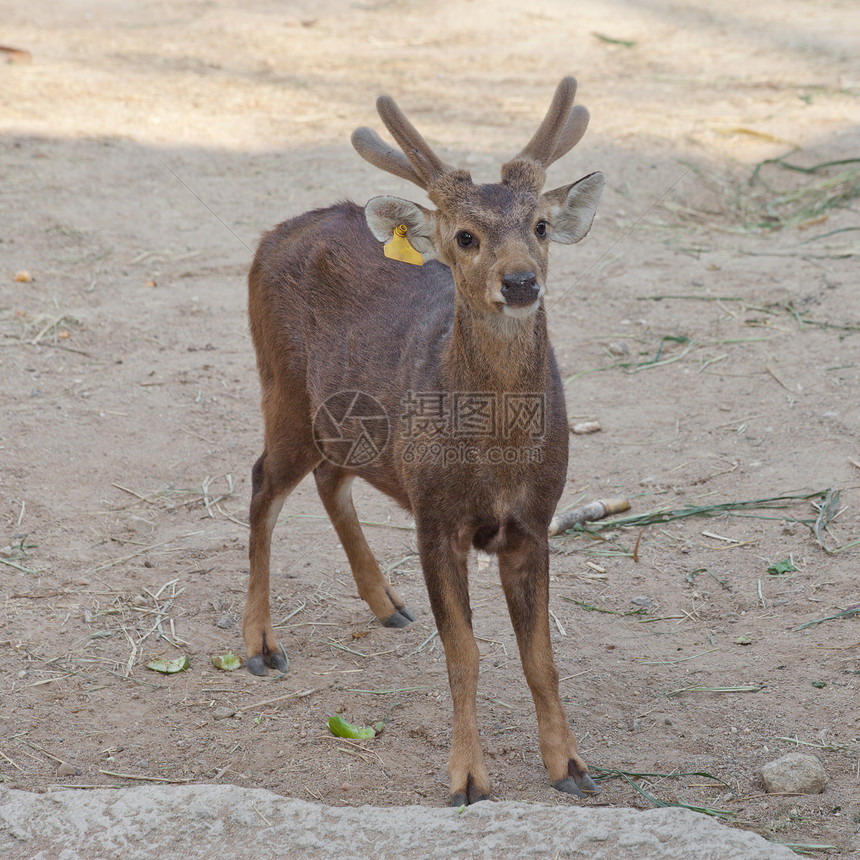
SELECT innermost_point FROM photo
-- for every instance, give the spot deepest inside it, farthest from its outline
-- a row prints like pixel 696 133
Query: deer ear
pixel 572 208
pixel 384 214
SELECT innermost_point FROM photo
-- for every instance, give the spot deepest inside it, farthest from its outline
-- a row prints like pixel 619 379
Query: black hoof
pixel 458 800
pixel 256 666
pixel 279 662
pixel 400 618
pixel 470 796
pixel 586 788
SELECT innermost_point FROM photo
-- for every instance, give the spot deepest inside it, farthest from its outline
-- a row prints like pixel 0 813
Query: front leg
pixel 525 579
pixel 447 581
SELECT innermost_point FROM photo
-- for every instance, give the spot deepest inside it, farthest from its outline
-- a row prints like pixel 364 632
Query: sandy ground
pixel 143 150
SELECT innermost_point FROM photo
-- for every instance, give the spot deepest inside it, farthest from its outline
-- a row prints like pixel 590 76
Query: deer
pixel 408 346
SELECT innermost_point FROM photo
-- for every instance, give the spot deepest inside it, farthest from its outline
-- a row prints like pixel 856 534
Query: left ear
pixel 572 208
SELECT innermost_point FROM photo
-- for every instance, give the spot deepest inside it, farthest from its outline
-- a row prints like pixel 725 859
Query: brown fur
pixel 329 313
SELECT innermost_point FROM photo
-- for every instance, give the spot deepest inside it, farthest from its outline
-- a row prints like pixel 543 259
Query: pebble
pixel 226 621
pixel 67 770
pixel 585 427
pixel 619 348
pixel 794 773
pixel 642 600
pixel 223 713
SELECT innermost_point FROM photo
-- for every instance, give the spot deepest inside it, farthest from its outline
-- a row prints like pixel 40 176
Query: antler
pixel 371 147
pixel 561 129
pixel 418 163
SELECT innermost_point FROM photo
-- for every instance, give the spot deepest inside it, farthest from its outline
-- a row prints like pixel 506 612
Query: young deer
pixel 437 384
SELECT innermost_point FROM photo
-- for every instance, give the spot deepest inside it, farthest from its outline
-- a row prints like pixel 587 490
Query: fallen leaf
pixel 338 726
pixel 169 667
pixel 228 662
pixel 784 566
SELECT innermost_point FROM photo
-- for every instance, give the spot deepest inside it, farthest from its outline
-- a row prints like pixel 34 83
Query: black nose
pixel 520 288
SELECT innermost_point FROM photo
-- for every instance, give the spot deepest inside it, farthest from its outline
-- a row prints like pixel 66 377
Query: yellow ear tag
pixel 400 249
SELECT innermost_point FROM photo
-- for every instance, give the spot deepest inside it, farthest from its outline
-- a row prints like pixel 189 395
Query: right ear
pixel 384 214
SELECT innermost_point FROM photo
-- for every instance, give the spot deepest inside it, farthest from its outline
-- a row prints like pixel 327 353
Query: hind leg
pixel 275 475
pixel 334 486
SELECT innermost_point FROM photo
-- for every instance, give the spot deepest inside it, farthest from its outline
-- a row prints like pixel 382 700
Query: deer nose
pixel 520 288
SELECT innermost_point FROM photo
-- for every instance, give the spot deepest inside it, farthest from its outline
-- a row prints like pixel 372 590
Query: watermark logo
pixel 473 427
pixel 351 429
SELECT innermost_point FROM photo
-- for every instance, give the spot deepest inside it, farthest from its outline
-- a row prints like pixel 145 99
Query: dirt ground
pixel 142 151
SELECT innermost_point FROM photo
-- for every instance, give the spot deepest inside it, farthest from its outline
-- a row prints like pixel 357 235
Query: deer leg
pixel 274 476
pixel 524 572
pixel 334 485
pixel 448 587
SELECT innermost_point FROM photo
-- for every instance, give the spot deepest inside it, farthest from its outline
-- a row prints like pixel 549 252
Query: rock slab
pixel 205 821
pixel 794 773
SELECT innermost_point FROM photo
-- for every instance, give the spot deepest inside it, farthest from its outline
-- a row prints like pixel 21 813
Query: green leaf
pixel 784 566
pixel 169 667
pixel 228 662
pixel 819 684
pixel 743 640
pixel 338 726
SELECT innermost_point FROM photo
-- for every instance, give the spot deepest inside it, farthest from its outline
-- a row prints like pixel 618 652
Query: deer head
pixel 493 237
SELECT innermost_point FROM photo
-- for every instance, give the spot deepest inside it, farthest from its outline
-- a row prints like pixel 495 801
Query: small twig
pixel 298 695
pixel 44 752
pixel 145 778
pixel 773 374
pixel 424 644
pixel 11 762
pixel 266 820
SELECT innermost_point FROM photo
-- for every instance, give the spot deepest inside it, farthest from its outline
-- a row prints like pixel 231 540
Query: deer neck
pixel 497 353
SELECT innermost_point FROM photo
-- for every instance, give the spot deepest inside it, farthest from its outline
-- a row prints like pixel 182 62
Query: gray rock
pixel 226 621
pixel 66 769
pixel 223 713
pixel 151 821
pixel 642 600
pixel 794 773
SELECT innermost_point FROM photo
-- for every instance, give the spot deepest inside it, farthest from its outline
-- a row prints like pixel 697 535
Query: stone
pixel 223 713
pixel 142 822
pixel 226 621
pixel 66 769
pixel 794 773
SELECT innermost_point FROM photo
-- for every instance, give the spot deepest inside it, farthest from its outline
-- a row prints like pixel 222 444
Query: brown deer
pixel 436 383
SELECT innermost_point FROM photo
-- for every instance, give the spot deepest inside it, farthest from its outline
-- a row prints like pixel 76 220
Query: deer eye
pixel 465 239
pixel 540 229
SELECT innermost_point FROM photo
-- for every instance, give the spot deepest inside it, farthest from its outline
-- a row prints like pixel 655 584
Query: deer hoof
pixel 400 618
pixel 585 788
pixel 471 795
pixel 460 799
pixel 256 666
pixel 278 661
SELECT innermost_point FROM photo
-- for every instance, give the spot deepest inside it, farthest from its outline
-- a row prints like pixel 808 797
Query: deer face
pixel 495 238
